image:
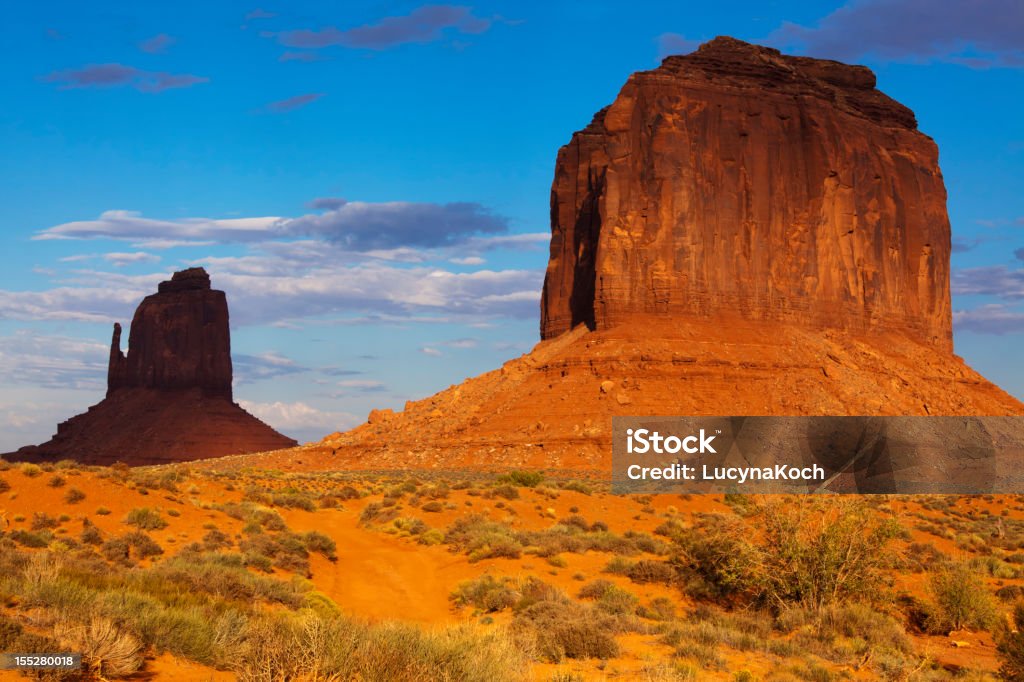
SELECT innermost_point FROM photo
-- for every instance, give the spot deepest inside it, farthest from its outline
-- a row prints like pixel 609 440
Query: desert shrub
pixel 618 565
pixel 4 486
pixel 259 562
pixel 30 470
pixel 319 543
pixel 618 601
pixel 286 551
pixel 820 554
pixel 410 525
pixel 74 496
pixel 595 589
pixel 486 593
pixel 102 511
pixel 105 647
pixel 647 571
pixel 1010 593
pixel 509 492
pixel 1009 646
pixel 862 622
pixel 293 500
pixel 716 558
pixel 56 481
pixel 567 630
pixel 43 521
pixel 660 608
pixel 577 487
pixel 339 648
pixel 433 506
pixel 10 631
pixel 960 600
pixel 430 537
pixel 347 493
pixel 522 479
pixel 576 521
pixel 377 512
pixel 924 556
pixel 482 538
pixel 29 539
pixel 130 547
pixel 90 533
pixel 215 539
pixel 557 560
pixel 145 519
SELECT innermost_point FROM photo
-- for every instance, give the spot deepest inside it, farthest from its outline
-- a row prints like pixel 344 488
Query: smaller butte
pixel 169 399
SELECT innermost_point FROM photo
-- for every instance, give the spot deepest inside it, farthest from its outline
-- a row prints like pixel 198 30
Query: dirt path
pixel 381 577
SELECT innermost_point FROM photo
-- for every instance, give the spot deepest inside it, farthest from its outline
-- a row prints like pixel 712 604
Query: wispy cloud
pixel 259 13
pixel 422 25
pixel 262 366
pixel 293 103
pixel 31 359
pixel 130 225
pixel 977 34
pixel 293 56
pixel 119 260
pixel 366 226
pixel 299 419
pixel 120 75
pixel 674 43
pixel 381 228
pixel 994 318
pixel 992 280
pixel 158 43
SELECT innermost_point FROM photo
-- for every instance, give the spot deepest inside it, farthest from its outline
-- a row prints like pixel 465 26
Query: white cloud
pixel 301 420
pixel 30 359
pixel 433 352
pixel 365 385
pixel 993 318
pixel 119 260
pixel 131 225
pixel 265 290
pixel 462 343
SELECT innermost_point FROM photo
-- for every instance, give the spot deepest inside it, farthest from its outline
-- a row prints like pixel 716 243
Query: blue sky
pixel 369 181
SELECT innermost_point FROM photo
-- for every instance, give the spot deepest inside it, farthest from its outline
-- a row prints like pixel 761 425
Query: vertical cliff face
pixel 179 339
pixel 737 181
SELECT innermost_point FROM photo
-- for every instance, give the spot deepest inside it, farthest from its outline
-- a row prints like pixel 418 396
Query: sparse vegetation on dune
pixel 216 567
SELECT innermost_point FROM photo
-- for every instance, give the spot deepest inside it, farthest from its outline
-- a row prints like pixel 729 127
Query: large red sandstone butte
pixel 743 181
pixel 170 399
pixel 740 233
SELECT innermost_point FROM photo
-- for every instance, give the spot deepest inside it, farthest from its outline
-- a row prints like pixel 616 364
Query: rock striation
pixel 169 399
pixel 738 180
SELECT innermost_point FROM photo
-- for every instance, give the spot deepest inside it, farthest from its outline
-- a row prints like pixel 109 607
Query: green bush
pixel 647 571
pixel 1009 646
pixel 74 496
pixel 486 593
pixel 960 600
pixel 817 554
pixel 522 479
pixel 560 630
pixel 509 492
pixel 145 519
